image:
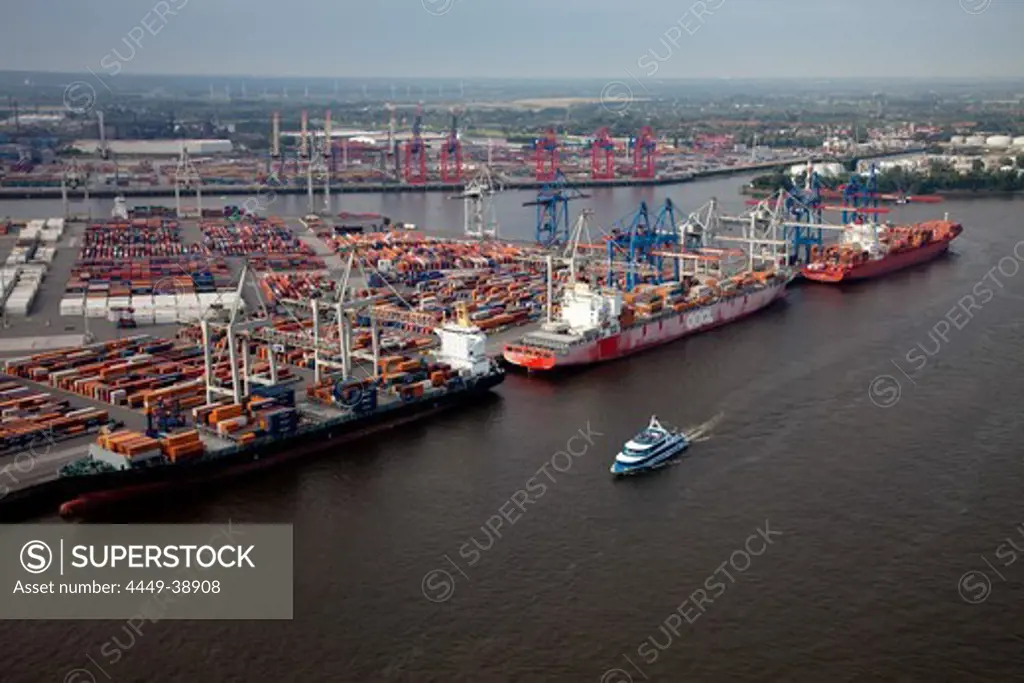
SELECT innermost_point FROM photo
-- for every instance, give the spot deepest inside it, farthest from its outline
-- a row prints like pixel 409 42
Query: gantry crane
pixel 645 149
pixel 416 152
pixel 602 156
pixel 546 157
pixel 553 210
pixel 644 243
pixel 451 153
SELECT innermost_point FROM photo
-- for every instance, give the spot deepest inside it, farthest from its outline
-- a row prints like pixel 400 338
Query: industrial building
pixel 155 147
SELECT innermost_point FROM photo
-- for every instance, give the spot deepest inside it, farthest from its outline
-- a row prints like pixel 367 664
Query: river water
pixel 819 532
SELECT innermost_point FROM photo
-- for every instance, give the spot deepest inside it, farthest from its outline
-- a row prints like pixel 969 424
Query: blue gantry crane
pixel 553 210
pixel 642 243
pixel 861 196
pixel 804 205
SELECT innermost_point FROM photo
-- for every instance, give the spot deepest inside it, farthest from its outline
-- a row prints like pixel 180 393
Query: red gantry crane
pixel 645 148
pixel 602 156
pixel 451 154
pixel 416 152
pixel 546 156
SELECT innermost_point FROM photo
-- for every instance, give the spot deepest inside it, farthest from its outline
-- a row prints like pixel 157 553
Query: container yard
pixel 36 420
pixel 141 270
pixel 142 373
pixel 267 242
pixel 26 266
pixel 226 406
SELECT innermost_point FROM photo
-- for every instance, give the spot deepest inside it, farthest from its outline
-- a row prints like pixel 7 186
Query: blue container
pixel 281 394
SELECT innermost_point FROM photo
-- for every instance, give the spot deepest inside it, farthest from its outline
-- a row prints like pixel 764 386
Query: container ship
pixel 868 250
pixel 126 465
pixel 602 324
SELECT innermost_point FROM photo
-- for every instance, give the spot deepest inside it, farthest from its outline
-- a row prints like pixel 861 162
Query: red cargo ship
pixel 598 325
pixel 869 251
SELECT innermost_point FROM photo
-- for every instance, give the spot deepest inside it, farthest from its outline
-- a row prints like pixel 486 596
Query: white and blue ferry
pixel 649 449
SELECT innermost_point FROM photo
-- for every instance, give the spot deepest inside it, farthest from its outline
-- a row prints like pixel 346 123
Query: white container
pixel 163 316
pixel 73 305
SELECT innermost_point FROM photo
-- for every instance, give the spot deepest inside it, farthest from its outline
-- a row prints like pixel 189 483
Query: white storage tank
pixel 975 141
pixel 998 141
pixel 1018 141
pixel 957 140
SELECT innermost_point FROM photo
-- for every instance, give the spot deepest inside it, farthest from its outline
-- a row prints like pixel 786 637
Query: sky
pixel 519 38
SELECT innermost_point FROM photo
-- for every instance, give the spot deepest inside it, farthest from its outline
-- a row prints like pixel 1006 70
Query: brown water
pixel 874 513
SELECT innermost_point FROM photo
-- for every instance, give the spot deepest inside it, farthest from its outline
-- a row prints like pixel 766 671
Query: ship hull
pixel 79 495
pixel 879 267
pixel 642 336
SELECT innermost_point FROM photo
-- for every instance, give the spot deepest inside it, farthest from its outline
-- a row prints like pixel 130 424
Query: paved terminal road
pixel 40 344
pixel 38 464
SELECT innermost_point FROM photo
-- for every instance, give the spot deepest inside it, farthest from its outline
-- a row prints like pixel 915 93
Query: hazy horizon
pixel 525 40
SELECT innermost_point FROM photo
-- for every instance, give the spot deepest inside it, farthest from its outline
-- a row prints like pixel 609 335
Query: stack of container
pixel 182 446
pixel 132 447
pixel 252 236
pixel 47 231
pixel 228 419
pixel 141 372
pixel 26 286
pixel 277 422
pixel 32 418
pixel 299 287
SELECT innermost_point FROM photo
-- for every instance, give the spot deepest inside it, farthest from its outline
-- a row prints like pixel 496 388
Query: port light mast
pixel 645 149
pixel 276 170
pixel 416 152
pixel 602 156
pixel 546 158
pixel 328 158
pixel 553 210
pixel 306 157
pixel 451 154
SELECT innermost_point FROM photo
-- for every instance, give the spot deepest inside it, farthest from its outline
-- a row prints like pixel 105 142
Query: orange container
pixel 225 412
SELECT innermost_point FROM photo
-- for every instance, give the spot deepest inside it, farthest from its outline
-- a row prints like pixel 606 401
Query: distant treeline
pixel 939 176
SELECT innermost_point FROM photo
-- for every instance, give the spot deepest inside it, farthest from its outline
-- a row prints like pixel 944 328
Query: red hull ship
pixel 872 251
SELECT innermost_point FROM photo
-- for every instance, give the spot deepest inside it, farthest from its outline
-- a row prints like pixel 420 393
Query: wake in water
pixel 702 432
